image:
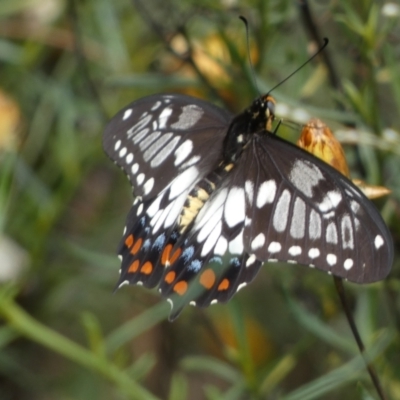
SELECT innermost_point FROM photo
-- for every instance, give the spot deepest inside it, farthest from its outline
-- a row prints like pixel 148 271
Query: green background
pixel 65 69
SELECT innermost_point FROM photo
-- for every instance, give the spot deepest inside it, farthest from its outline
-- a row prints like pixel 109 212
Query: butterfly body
pixel 217 196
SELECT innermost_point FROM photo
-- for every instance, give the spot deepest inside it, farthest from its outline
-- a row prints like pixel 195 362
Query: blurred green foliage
pixel 66 67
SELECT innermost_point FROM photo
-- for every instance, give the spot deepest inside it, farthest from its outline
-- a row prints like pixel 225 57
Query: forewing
pixel 165 144
pixel 156 138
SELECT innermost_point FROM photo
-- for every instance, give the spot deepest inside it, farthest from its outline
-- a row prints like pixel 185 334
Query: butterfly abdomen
pixel 199 195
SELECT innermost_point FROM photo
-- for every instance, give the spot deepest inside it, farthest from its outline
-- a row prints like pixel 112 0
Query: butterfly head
pixel 263 113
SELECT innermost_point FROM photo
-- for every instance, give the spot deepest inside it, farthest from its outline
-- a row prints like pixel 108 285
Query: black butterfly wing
pixel 165 144
pixel 301 210
pixel 158 137
pixel 277 203
pixel 212 264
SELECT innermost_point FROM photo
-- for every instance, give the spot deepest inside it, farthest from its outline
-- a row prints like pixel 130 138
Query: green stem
pixel 34 330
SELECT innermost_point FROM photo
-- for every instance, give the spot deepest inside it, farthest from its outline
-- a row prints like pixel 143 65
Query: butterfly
pixel 218 195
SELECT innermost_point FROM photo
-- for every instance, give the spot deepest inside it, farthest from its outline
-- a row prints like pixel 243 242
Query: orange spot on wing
pixel 180 287
pixel 224 285
pixel 137 245
pixel 134 266
pixel 175 256
pixel 166 253
pixel 129 241
pixel 170 277
pixel 167 258
pixel 147 268
pixel 207 278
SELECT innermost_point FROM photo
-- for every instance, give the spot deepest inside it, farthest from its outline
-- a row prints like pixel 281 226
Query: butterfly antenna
pixel 246 24
pixel 326 41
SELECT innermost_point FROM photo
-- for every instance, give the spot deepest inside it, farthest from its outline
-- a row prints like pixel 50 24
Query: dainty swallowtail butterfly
pixel 216 196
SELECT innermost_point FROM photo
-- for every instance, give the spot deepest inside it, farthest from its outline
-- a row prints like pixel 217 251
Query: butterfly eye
pixel 270 106
pixel 269 111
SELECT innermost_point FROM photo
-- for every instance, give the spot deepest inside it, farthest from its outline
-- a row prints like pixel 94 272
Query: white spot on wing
pixel 348 264
pixel 221 246
pixel 305 175
pixel 122 152
pixel 148 186
pixel 156 105
pixel 183 181
pixel 135 168
pixel 249 189
pixel 331 259
pixel 211 207
pixel 193 160
pixel 313 253
pixel 314 227
pixel 154 207
pixel 124 283
pixel 156 146
pixel 258 241
pixel 274 247
pixel 297 226
pixel 241 286
pixel 234 210
pixel 331 233
pixel 140 179
pixel 140 209
pixel 236 245
pixel 117 145
pixel 347 232
pixel 250 261
pixel 378 242
pixel 165 152
pixel 211 239
pixel 156 221
pixel 294 250
pixel 189 116
pixel 140 135
pixel 138 130
pixel 183 151
pixel 331 200
pixel 129 158
pixel 171 303
pixel 145 143
pixel 127 114
pixel 164 116
pixel 169 215
pixel 209 226
pixel 266 193
pixel 281 212
pixel 175 210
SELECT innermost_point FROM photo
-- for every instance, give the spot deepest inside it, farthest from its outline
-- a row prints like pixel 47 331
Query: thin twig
pixel 313 31
pixel 372 373
pixel 81 58
pixel 187 57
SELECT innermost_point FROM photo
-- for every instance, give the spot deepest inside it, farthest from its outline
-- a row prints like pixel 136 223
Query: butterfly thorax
pixel 255 119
